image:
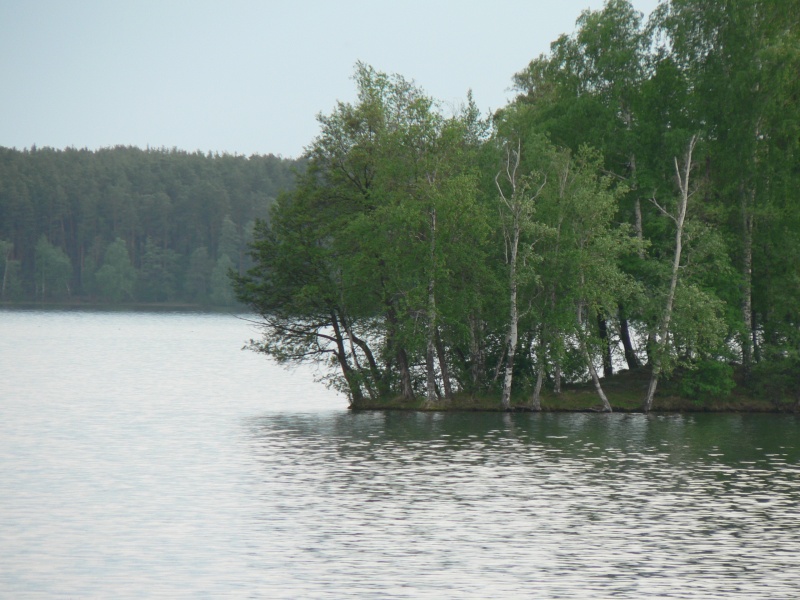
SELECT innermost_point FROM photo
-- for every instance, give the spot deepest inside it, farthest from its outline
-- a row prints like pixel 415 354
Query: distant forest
pixel 126 225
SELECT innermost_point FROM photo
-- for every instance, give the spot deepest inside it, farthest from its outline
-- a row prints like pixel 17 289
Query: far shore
pixel 86 304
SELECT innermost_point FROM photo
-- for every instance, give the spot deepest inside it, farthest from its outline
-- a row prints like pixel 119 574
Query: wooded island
pixel 635 204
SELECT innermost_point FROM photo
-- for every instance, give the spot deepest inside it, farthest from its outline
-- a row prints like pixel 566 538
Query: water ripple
pixel 482 508
pixel 143 455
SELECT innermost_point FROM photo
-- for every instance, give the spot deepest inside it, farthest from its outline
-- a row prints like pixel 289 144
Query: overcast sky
pixel 247 76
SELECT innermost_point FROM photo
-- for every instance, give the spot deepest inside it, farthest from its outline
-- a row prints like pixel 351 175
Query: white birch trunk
pixel 520 207
pixel 431 348
pixel 513 325
pixel 683 184
pixel 589 363
pixel 747 281
pixel 536 399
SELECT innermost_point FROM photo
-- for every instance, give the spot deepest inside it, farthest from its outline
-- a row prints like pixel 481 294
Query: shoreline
pixel 625 390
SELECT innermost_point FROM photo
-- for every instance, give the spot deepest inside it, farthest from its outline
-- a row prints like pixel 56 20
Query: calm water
pixel 145 455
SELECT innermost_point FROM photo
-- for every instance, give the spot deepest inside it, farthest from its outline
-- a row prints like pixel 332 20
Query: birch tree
pixel 591 247
pixel 678 217
pixel 518 194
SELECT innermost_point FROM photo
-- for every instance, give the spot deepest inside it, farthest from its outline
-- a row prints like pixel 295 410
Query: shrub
pixel 708 379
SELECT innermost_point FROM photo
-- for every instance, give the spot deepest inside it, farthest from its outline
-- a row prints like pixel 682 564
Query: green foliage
pixel 221 289
pixel 706 380
pixel 198 275
pixel 83 201
pixel 116 279
pixel 53 271
pixel 9 272
pixel 776 377
pixel 10 284
pixel 157 281
pixel 230 242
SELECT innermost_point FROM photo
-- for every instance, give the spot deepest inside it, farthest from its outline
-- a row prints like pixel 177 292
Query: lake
pixel 143 454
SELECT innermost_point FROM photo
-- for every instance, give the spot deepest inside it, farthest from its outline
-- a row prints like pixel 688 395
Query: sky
pixel 248 76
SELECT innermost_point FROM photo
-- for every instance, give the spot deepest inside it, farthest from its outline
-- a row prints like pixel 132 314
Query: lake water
pixel 145 455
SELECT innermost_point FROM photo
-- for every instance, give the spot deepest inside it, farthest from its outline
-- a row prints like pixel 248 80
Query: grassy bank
pixel 625 390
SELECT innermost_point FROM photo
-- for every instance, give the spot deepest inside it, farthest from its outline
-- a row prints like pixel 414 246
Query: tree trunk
pixel 499 366
pixel 406 387
pixel 639 227
pixel 589 362
pixel 430 374
pixel 624 334
pixel 430 366
pixel 747 281
pixel 513 324
pixel 375 373
pixel 446 384
pixel 6 259
pixel 356 396
pixel 520 208
pixel 651 334
pixel 377 376
pixel 602 326
pixel 756 347
pixel 557 377
pixel 662 342
pixel 536 399
pixel 476 357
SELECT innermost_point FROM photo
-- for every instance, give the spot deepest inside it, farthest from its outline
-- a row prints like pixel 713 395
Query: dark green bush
pixel 707 379
pixel 776 377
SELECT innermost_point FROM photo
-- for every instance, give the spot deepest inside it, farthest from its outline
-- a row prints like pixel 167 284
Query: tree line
pixel 130 225
pixel 634 204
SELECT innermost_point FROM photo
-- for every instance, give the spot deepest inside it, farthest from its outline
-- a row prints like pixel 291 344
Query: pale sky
pixel 246 76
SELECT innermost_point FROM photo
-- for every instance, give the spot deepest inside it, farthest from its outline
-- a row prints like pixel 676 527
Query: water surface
pixel 145 455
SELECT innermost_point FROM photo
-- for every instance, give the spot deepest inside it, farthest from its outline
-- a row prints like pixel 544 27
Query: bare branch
pixel 664 212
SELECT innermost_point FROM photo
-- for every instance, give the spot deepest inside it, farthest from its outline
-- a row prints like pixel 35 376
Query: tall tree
pixel 53 271
pixel 518 194
pixel 737 56
pixel 116 278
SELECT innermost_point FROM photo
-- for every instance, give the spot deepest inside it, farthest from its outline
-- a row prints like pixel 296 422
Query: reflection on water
pixel 144 455
pixel 560 505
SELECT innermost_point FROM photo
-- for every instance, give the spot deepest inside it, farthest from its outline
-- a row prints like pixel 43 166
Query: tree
pixel 707 329
pixel 517 205
pixel 362 263
pixel 591 247
pixel 741 60
pixel 589 91
pixel 230 242
pixel 53 271
pixel 291 288
pixel 116 279
pixel 197 283
pixel 6 249
pixel 157 277
pixel 221 291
